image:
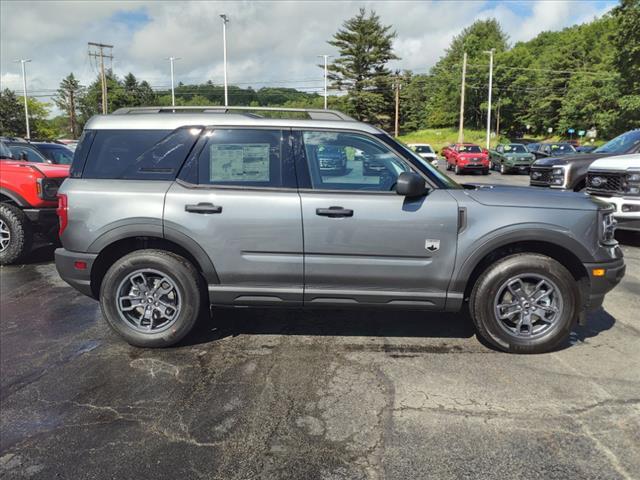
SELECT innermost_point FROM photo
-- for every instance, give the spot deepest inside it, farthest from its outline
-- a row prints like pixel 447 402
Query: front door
pixel 364 243
pixel 237 198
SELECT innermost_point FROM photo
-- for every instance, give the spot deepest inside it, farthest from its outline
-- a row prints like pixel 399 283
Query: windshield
pixel 26 153
pixel 57 154
pixel 469 149
pixel 424 165
pixel 562 149
pixel 515 148
pixel 621 144
pixel 424 149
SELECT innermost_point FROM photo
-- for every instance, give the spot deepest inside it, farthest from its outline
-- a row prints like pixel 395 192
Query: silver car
pixel 169 210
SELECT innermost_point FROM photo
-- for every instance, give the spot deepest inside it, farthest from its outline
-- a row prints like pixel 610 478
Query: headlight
pixel 632 183
pixel 557 176
pixel 607 227
pixel 557 171
pixel 47 188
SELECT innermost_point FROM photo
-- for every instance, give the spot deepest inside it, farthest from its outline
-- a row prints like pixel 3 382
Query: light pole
pixel 173 94
pixel 490 52
pixel 326 57
pixel 24 91
pixel 225 20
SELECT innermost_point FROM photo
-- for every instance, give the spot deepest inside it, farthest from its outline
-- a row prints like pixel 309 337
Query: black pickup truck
pixel 570 172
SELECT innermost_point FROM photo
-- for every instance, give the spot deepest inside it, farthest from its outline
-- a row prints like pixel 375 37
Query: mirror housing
pixel 411 185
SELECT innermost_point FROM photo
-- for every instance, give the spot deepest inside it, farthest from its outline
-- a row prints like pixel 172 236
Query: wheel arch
pixel 7 196
pixel 175 242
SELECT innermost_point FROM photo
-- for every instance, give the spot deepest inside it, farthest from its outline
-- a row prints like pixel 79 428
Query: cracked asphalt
pixel 322 394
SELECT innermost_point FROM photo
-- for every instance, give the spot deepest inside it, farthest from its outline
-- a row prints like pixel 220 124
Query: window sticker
pixel 242 161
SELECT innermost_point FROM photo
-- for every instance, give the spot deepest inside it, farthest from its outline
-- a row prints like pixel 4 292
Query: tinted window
pixel 348 161
pixel 23 152
pixel 57 154
pixel 515 148
pixel 5 152
pixel 114 153
pixel 625 143
pixel 242 157
pixel 424 149
pixel 469 149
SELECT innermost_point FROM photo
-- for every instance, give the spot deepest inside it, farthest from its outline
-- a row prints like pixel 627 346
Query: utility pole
pixel 326 71
pixel 490 52
pixel 22 61
pixel 173 94
pixel 103 79
pixel 397 129
pixel 225 20
pixel 498 118
pixel 464 74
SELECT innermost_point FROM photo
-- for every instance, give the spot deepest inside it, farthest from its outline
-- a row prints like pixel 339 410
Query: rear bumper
pixel 44 219
pixel 599 286
pixel 80 279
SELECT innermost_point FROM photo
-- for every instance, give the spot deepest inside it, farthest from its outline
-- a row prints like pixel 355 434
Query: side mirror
pixel 411 185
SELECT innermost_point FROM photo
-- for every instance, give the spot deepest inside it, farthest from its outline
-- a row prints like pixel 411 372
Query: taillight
pixel 62 211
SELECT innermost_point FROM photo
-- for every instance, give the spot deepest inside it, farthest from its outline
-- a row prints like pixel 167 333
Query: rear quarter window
pixel 139 154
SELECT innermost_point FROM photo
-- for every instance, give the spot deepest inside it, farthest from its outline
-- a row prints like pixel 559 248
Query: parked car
pixel 616 180
pixel 570 172
pixel 332 159
pixel 27 203
pixel 586 148
pixel 231 209
pixel 511 157
pixel 426 152
pixel 544 150
pixel 54 152
pixel 463 157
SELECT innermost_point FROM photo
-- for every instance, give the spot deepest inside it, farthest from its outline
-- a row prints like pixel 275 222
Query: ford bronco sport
pixel 168 210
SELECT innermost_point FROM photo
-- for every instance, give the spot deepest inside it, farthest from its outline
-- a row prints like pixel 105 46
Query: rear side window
pixel 139 154
pixel 242 157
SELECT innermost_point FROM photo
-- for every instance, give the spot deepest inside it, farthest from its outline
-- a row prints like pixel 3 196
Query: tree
pixel 365 47
pixel 68 99
pixel 11 114
pixel 626 40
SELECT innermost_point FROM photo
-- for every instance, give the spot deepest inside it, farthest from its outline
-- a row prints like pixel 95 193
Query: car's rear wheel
pixel 151 298
pixel 525 303
pixel 16 234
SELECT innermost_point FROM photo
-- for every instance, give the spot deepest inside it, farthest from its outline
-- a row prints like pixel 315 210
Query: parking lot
pixel 322 394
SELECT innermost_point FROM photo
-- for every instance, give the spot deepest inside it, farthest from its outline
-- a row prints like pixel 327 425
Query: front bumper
pixel 600 285
pixel 80 279
pixel 626 220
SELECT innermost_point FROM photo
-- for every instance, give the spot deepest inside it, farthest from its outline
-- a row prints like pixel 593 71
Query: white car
pixel 425 151
pixel 616 180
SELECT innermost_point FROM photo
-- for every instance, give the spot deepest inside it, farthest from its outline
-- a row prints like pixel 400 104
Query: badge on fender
pixel 432 244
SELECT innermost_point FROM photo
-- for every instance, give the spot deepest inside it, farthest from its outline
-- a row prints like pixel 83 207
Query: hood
pixel 472 155
pixel 576 157
pixel 621 162
pixel 51 170
pixel 507 196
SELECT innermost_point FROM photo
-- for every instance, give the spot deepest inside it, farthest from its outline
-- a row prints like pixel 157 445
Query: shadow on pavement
pixel 41 253
pixel 229 322
pixel 628 238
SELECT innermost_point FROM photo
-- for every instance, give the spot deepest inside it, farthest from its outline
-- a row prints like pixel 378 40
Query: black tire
pixel 457 170
pixel 488 286
pixel 180 271
pixel 485 171
pixel 503 169
pixel 20 234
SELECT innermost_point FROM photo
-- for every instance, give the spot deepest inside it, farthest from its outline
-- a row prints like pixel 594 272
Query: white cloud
pixel 268 41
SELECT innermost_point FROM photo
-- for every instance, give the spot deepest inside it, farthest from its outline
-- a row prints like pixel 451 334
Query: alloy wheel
pixel 5 236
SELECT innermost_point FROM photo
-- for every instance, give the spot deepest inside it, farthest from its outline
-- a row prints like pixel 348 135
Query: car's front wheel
pixel 15 234
pixel 151 298
pixel 503 169
pixel 457 170
pixel 525 303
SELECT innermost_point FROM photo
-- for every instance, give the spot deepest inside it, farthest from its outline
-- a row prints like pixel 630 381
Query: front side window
pixel 242 157
pixel 58 155
pixel 350 161
pixel 26 153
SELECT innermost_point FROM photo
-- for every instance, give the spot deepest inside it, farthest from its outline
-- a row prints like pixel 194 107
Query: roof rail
pixel 313 113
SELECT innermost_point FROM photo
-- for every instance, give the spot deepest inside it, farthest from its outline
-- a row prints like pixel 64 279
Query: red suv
pixel 28 201
pixel 466 156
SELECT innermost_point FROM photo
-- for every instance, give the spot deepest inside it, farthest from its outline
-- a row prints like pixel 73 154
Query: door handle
pixel 334 212
pixel 203 208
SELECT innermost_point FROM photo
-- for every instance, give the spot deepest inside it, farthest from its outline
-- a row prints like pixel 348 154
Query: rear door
pixel 236 197
pixel 364 243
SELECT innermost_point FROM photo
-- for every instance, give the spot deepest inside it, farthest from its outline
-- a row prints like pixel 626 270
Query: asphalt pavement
pixel 321 394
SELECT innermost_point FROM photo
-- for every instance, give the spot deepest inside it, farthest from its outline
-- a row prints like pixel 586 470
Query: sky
pixel 270 43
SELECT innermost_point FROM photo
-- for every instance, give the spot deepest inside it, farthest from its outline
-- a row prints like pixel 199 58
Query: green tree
pixel 365 47
pixel 68 98
pixel 626 42
pixel 11 114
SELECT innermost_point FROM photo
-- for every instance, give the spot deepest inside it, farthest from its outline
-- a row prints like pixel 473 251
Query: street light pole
pixel 490 52
pixel 225 20
pixel 24 91
pixel 173 94
pixel 326 57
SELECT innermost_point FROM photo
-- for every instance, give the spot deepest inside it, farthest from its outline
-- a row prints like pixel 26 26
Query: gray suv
pixel 170 210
